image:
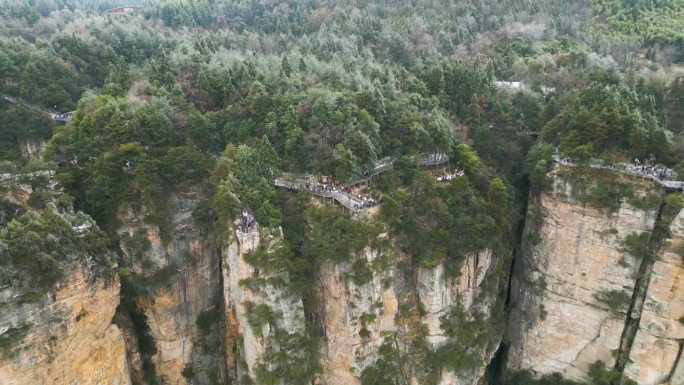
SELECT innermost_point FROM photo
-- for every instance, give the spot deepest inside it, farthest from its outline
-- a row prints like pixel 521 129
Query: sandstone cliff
pixel 177 279
pixel 56 331
pixel 657 347
pixel 66 336
pixel 576 283
pixel 399 308
pixel 260 312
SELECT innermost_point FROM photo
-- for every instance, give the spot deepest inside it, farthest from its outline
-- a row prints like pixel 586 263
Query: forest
pixel 223 97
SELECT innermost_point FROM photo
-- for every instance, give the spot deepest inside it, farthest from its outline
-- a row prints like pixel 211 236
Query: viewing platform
pixel 659 174
pixel 343 193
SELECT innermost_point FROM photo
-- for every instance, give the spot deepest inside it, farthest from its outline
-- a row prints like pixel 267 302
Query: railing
pixel 387 163
pixel 289 185
pixel 629 169
pixel 62 117
pixel 55 115
pixel 433 160
pixel 349 201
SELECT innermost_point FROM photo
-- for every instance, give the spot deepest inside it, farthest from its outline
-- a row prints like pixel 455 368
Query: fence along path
pixel 348 200
pixel 55 115
pixel 638 171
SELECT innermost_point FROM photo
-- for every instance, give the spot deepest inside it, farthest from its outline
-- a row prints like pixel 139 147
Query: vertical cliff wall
pixel 577 284
pixel 395 318
pixel 59 332
pixel 176 273
pixel 265 331
pixel 66 336
pixel 657 347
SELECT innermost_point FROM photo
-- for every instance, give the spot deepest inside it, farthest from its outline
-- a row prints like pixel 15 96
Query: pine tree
pixel 675 106
pixel 28 87
pixel 118 81
pixel 161 73
pixel 285 67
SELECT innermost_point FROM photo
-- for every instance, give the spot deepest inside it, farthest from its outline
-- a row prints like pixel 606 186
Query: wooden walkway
pixel 631 170
pixel 350 201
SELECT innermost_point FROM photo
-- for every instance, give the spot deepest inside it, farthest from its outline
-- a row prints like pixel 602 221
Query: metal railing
pixel 55 115
pixel 629 169
pixel 346 199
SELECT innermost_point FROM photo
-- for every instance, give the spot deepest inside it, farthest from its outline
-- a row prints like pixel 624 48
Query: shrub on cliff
pixel 538 163
pixel 616 299
pixel 38 249
pixel 598 374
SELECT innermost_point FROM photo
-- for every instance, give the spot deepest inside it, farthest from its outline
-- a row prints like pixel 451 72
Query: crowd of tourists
pixel 365 202
pixel 246 223
pixel 648 168
pixel 346 193
pixel 449 176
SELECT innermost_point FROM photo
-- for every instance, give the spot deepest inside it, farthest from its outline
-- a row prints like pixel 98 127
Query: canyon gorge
pixel 586 285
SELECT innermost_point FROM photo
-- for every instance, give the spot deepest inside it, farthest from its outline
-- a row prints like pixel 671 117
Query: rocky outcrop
pixel 657 347
pixel 354 317
pixel 61 332
pixel 439 293
pixel 31 148
pixel 572 283
pixel 259 309
pixel 595 285
pixel 177 279
pixel 64 337
pixel 400 307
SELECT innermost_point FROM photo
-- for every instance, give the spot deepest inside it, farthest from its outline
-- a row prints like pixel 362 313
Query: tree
pixel 294 136
pixel 497 202
pixel 203 133
pixel 285 67
pixel 675 105
pixel 117 81
pixel 154 126
pixel 161 74
pixel 28 87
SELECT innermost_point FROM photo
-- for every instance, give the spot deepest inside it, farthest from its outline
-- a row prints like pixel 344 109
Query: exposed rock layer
pixel 70 339
pixel 574 257
pixel 178 278
pixel 656 350
pixel 247 343
pixel 357 319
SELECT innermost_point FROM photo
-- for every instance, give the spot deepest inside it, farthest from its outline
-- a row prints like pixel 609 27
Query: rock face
pixel 657 346
pixel 31 148
pixel 245 291
pixel 63 333
pixel 68 336
pixel 179 279
pixel 573 284
pixel 357 318
pixel 439 293
pixel 344 352
pixel 223 311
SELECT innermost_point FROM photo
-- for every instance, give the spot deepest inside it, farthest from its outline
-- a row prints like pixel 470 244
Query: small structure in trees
pixel 121 10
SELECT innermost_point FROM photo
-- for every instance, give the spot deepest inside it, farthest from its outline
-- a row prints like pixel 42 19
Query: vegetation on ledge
pixel 38 249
